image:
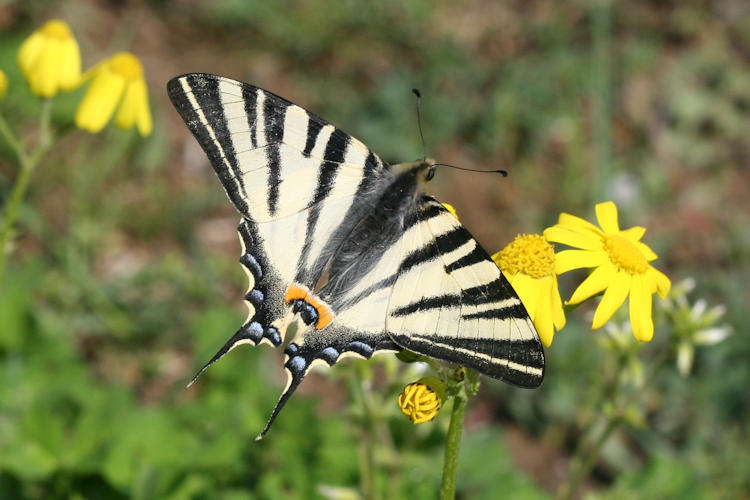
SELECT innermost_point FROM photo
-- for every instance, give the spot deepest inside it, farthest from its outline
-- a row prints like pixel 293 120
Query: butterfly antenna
pixel 498 171
pixel 419 122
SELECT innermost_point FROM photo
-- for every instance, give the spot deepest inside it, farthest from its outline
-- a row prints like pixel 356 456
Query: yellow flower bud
pixel 421 400
pixel 50 59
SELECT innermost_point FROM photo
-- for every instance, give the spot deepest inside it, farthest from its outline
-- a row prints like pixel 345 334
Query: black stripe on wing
pixel 274 114
pixel 415 216
pixel 475 256
pixel 207 119
pixel 313 129
pixel 490 355
pixel 250 99
pixel 444 243
pixel 333 157
pixel 427 303
pixel 515 311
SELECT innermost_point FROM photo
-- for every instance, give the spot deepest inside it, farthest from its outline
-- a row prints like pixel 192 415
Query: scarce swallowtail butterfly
pixel 347 246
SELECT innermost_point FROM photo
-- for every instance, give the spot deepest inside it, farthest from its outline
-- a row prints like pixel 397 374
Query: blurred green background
pixel 124 277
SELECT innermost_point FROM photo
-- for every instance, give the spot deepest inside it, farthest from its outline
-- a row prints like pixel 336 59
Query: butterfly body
pixel 349 247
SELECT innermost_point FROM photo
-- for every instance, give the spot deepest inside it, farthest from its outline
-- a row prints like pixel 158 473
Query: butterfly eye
pixel 430 174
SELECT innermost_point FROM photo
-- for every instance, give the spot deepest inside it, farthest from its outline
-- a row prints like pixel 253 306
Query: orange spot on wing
pixel 324 319
pixel 325 315
pixel 295 292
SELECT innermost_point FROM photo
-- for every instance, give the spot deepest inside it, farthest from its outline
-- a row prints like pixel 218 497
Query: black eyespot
pixel 430 174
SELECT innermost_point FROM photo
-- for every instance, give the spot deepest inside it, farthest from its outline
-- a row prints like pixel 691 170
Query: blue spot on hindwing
pixel 254 331
pixel 329 355
pixel 273 335
pixel 255 297
pixel 291 349
pixel 360 348
pixel 296 365
pixel 252 265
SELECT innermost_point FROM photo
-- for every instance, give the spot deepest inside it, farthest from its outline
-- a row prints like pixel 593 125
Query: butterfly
pixel 347 246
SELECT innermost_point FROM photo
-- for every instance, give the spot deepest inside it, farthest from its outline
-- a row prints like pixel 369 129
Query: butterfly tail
pixel 291 386
pixel 243 336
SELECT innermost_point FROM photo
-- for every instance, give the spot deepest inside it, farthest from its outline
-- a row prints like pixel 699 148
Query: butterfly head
pixel 429 173
pixel 426 168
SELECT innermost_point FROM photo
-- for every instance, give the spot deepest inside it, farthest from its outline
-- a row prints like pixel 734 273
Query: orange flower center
pixel 624 254
pixel 56 29
pixel 126 65
pixel 530 254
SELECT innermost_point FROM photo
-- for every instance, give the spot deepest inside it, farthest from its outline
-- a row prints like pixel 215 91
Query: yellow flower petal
pixel 646 251
pixel 640 310
pixel 451 209
pixel 606 215
pixel 663 285
pixel 143 122
pixel 567 260
pixel 132 102
pixel 527 291
pixel 28 54
pixel 70 65
pixel 577 223
pixel 558 314
pixel 99 102
pixel 613 298
pixel 542 318
pixel 3 84
pixel 597 281
pixel 634 233
pixel 47 70
pixel 573 237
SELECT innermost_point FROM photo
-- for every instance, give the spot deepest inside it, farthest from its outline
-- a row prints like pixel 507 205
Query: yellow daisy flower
pixel 3 84
pixel 116 81
pixel 50 59
pixel 621 265
pixel 528 263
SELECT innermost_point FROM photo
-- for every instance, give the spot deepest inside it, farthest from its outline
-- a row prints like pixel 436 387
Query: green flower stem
pixel 453 444
pixel 365 451
pixel 27 165
pixel 11 139
pixel 583 464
